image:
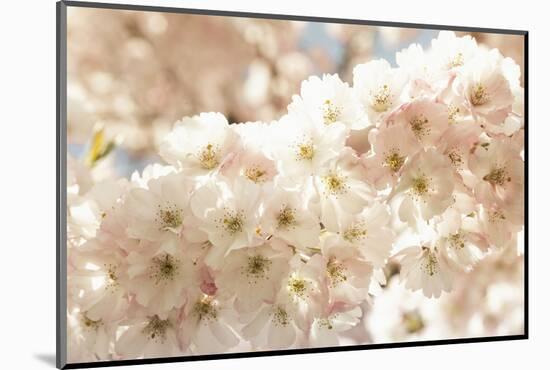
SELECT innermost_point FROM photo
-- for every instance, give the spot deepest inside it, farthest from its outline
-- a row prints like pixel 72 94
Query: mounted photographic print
pixel 239 184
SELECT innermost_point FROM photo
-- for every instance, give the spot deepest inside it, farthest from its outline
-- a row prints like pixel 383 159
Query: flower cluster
pixel 256 236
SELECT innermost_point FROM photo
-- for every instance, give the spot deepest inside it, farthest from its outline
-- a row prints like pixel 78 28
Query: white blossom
pixel 356 217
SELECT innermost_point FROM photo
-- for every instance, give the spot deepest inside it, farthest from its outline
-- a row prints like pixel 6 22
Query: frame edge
pixel 61 196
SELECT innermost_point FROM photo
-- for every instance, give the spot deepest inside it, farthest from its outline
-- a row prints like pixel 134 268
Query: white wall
pixel 27 181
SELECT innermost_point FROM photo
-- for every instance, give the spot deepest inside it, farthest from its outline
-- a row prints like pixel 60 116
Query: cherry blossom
pixel 253 275
pixel 426 186
pixel 228 214
pixel 328 101
pixel 199 144
pixel 378 87
pixel 426 268
pixel 288 216
pixel 147 336
pixel 159 212
pixel 361 215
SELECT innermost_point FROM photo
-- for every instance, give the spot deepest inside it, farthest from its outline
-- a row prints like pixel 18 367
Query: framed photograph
pixel 237 184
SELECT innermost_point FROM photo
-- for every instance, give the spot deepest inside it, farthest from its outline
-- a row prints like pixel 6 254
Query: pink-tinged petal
pixel 253 328
pixel 281 336
pixel 224 335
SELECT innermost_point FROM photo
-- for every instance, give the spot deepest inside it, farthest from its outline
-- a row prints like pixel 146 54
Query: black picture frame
pixel 61 196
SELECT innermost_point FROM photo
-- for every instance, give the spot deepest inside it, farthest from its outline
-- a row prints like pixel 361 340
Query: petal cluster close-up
pixel 301 232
